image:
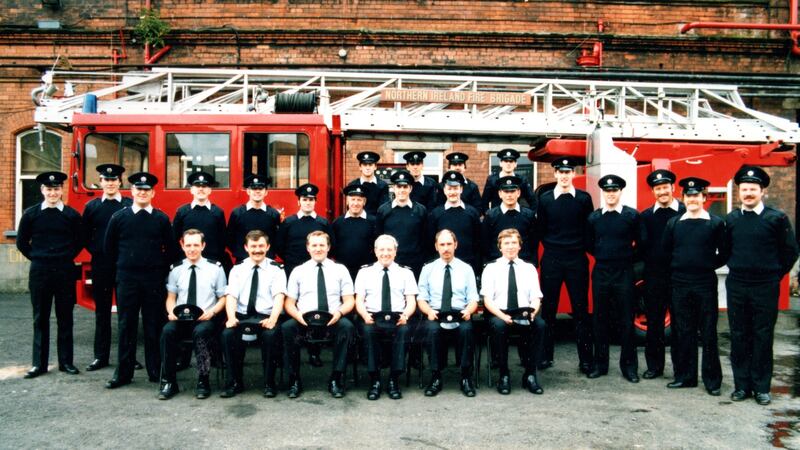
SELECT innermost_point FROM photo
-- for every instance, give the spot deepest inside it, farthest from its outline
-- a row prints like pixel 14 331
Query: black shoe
pixel 374 391
pixel 504 385
pixel 335 387
pixel 68 368
pixel 117 382
pixel 530 383
pixel 596 373
pixel 681 384
pixel 295 389
pixel 203 388
pixel 631 376
pixel 394 389
pixel 232 390
pixel 35 371
pixel 650 374
pixel 137 366
pixel 545 364
pixel 315 360
pixel 585 368
pixel 96 365
pixel 270 391
pixel 434 387
pixel 714 392
pixel 468 387
pixel 763 398
pixel 168 390
pixel 738 395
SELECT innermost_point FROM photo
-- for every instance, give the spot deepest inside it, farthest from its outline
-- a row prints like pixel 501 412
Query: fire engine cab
pixel 294 125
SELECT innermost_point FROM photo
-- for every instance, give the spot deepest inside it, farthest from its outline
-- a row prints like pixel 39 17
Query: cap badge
pixel 387 317
pixel 452 176
pixel 691 183
pixel 201 178
pixel 609 181
pixel 401 177
pixel 308 189
pixel 316 316
pixel 524 313
pixel 749 173
pixel 564 161
pixel 358 189
pixel 449 317
pixel 52 178
pixel 658 176
pixel 508 181
pixel 255 180
pixel 186 310
pixel 143 179
pixel 108 169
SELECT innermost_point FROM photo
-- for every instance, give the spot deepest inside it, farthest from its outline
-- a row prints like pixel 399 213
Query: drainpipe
pixel 153 59
pixel 792 27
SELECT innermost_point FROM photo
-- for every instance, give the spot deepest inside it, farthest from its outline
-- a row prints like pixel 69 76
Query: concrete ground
pixel 61 411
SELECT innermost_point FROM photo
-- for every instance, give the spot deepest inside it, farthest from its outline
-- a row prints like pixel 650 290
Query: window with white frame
pixel 432 164
pixel 36 153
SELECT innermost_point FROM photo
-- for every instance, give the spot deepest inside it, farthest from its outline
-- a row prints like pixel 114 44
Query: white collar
pixel 557 192
pixel 207 205
pixel 703 215
pixel 135 208
pixel 117 197
pixel 300 214
pixel 420 180
pixel 675 205
pixel 363 215
pixel 363 180
pixel 505 260
pixel 504 209
pixel 199 261
pixel 758 209
pixel 250 205
pixel 395 204
pixel 391 266
pixel 325 262
pixel 262 265
pixel 59 206
pixel 617 208
pixel 448 205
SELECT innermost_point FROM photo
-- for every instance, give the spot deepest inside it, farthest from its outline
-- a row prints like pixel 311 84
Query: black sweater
pixel 355 241
pixel 523 221
pixel 242 221
pixel 49 236
pixel 762 246
pixel 376 194
pixel 562 222
pixel 96 216
pixel 613 238
pixel 407 225
pixel 694 248
pixel 653 224
pixel 142 244
pixel 210 221
pixel 466 224
pixel 291 240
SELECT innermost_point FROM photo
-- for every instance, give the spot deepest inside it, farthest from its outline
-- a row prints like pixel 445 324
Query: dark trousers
pixel 695 309
pixel 202 334
pixel 234 349
pixel 531 343
pixel 613 292
pixel 293 336
pixel 50 283
pixel 374 336
pixel 103 294
pixel 434 335
pixel 574 272
pixel 133 296
pixel 656 301
pixel 752 312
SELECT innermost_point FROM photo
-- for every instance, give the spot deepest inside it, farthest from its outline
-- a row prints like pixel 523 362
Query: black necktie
pixel 447 290
pixel 513 302
pixel 191 299
pixel 386 292
pixel 322 292
pixel 251 302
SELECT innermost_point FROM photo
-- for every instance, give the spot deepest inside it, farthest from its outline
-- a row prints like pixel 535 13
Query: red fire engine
pixel 293 125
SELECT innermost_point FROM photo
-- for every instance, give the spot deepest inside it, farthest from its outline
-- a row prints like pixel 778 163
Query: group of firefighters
pixel 362 284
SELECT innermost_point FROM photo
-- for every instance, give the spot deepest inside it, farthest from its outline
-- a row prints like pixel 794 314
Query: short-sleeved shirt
pixel 462 281
pixel 494 282
pixel 369 283
pixel 210 280
pixel 271 282
pixel 302 285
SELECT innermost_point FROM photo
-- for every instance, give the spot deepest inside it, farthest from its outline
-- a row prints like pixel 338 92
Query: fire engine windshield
pixel 196 152
pixel 129 150
pixel 283 156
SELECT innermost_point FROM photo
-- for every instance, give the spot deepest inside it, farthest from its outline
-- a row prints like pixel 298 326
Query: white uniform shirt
pixel 369 283
pixel 302 285
pixel 271 282
pixel 494 282
pixel 210 279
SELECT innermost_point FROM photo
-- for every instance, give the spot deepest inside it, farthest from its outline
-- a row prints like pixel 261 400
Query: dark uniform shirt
pixel 762 245
pixel 654 219
pixel 355 241
pixel 210 219
pixel 96 215
pixel 376 194
pixel 491 197
pixel 245 219
pixel 425 194
pixel 498 219
pixel 141 243
pixel 471 196
pixel 613 236
pixel 561 222
pixel 694 248
pixel 465 222
pixel 407 225
pixel 50 235
pixel 291 240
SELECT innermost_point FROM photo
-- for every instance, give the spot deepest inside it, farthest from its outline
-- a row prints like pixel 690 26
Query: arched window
pixel 36 153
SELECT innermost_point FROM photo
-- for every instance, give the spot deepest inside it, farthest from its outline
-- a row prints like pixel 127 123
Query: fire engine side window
pixel 283 156
pixel 196 152
pixel 130 150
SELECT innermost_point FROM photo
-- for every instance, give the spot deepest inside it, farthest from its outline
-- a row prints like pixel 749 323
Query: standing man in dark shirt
pixel 140 240
pixel 425 188
pixel 562 215
pixel 376 191
pixel 405 220
pixel 510 215
pixel 205 216
pixel 253 215
pixel 508 164
pixel 694 244
pixel 461 219
pixel 354 232
pixel 471 195
pixel 656 278
pixel 763 249
pixel 96 215
pixel 293 231
pixel 613 237
pixel 49 235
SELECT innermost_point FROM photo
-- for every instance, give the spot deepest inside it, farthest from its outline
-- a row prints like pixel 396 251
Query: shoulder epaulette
pixel 366 265
pixel 405 267
pixel 176 264
pixel 277 264
pixel 433 260
pixel 213 261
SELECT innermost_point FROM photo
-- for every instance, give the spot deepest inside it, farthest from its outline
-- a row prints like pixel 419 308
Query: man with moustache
pixel 471 195
pixel 508 164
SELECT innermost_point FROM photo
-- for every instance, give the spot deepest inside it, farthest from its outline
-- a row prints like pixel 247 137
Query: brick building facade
pixel 540 38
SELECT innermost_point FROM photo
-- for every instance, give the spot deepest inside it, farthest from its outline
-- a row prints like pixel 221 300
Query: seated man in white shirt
pixel 318 284
pixel 507 284
pixel 256 291
pixel 384 289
